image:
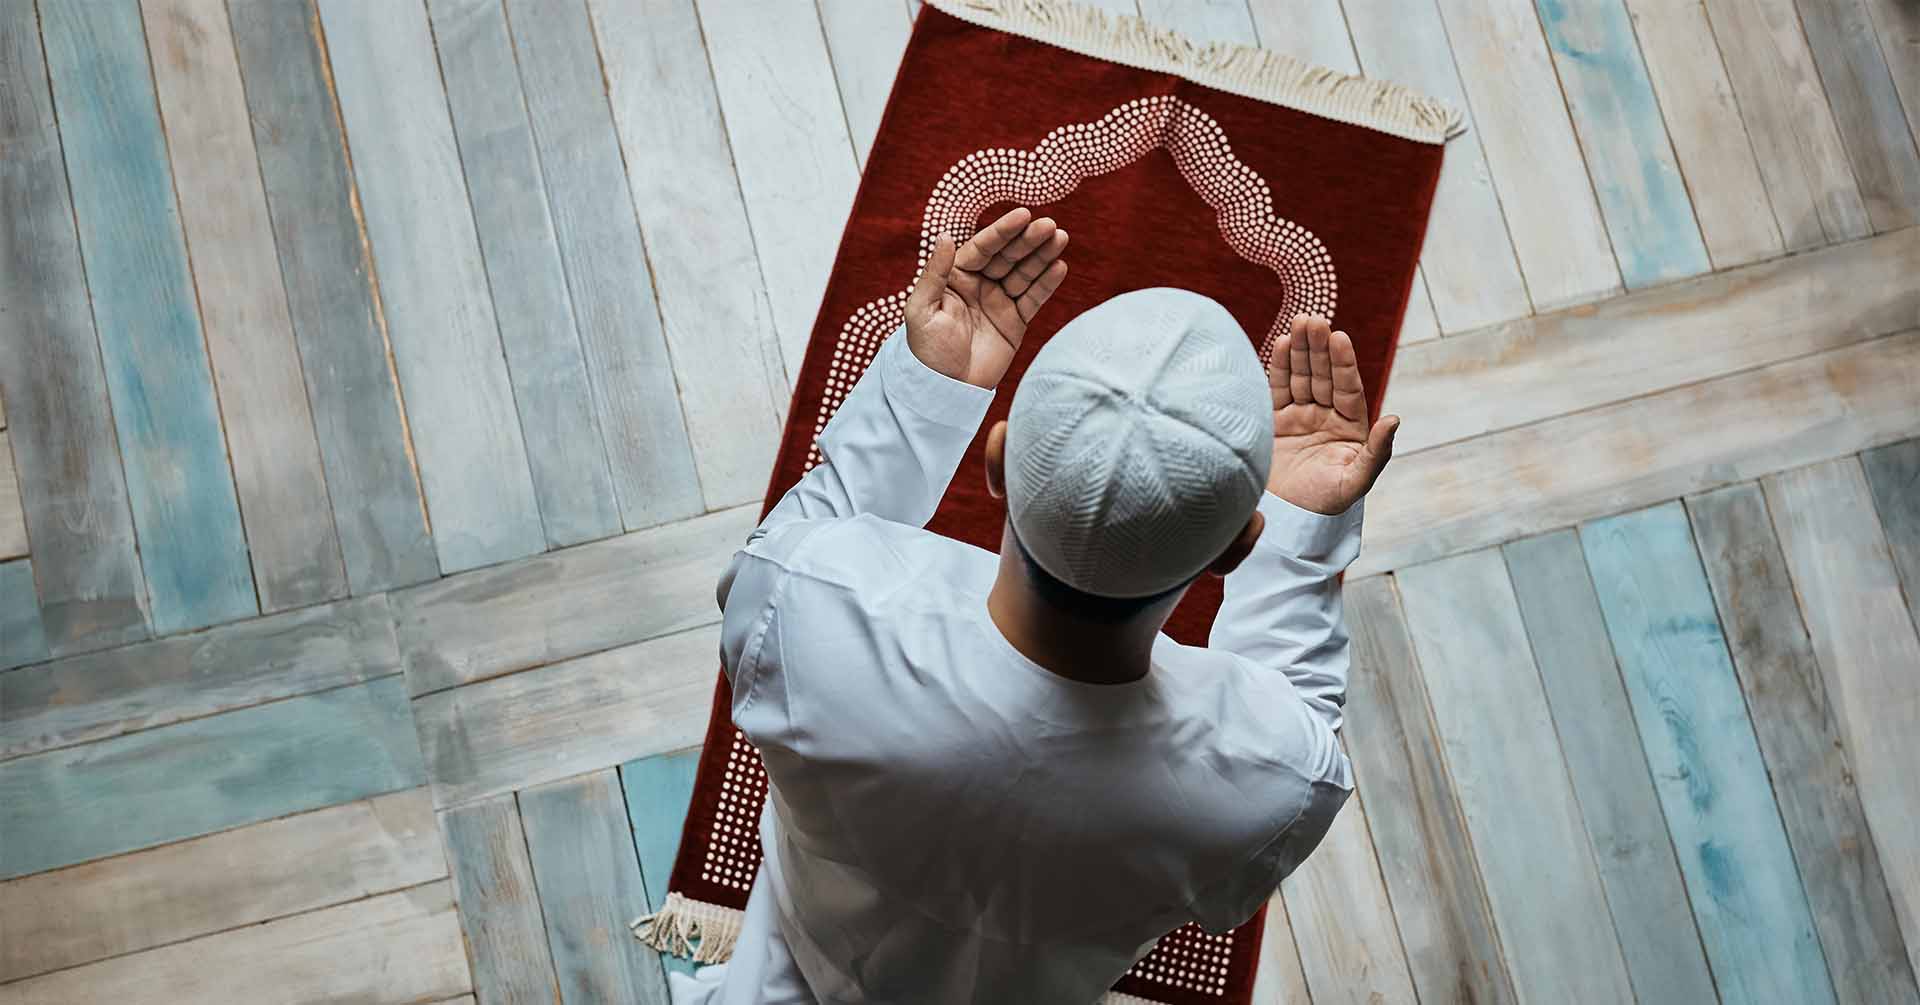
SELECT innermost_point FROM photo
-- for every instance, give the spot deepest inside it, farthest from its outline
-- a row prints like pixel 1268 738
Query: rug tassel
pixel 691 929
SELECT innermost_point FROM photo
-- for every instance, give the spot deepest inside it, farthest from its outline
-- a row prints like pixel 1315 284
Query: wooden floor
pixel 386 385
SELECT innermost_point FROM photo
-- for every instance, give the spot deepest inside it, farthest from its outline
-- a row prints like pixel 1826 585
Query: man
pixel 993 779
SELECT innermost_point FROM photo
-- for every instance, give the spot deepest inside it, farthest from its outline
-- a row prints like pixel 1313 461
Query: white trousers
pixel 761 972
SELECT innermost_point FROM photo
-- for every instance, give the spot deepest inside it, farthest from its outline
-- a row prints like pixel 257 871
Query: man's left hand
pixel 970 308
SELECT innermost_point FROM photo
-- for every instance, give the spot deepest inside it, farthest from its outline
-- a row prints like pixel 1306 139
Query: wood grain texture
pixel 1898 22
pixel 1204 20
pixel 499 907
pixel 866 41
pixel 1709 138
pixel 1633 453
pixel 1794 721
pixel 1609 770
pixel 222 881
pixel 583 860
pixel 553 607
pixel 1508 76
pixel 192 549
pixel 1279 979
pixel 1426 855
pixel 91 697
pixel 1497 733
pixel 256 366
pixel 1746 892
pixel 191 778
pixel 551 392
pixel 327 270
pixel 1865 641
pixel 1866 107
pixel 398 947
pixel 13 519
pixel 1635 173
pixel 1893 472
pixel 444 334
pixel 658 791
pixel 23 639
pixel 1349 946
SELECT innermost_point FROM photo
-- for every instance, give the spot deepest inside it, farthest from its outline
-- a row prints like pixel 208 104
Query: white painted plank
pixel 13 520
pixel 1203 20
pixel 866 41
pixel 1279 979
pixel 1349 944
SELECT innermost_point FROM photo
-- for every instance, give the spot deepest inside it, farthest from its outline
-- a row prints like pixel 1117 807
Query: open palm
pixel 969 310
pixel 1325 454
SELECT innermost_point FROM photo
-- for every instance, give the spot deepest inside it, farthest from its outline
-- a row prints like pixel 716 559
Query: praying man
pixel 992 778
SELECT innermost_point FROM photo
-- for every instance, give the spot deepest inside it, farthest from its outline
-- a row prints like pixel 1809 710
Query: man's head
pixel 1135 454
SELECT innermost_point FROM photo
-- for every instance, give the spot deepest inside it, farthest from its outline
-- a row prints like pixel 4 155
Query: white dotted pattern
pixel 1189 958
pixel 733 845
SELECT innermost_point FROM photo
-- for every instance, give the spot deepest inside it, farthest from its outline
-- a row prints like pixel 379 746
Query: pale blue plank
pixel 184 508
pixel 192 778
pixel 22 639
pixel 659 789
pixel 499 906
pixel 1746 892
pixel 1635 174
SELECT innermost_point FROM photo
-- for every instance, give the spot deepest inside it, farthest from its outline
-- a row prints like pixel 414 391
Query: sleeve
pixel 1229 902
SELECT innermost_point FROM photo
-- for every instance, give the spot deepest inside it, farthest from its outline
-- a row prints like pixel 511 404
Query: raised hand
pixel 970 308
pixel 1325 454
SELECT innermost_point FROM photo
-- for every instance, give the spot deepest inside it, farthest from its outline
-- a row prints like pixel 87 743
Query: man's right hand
pixel 969 310
pixel 1325 454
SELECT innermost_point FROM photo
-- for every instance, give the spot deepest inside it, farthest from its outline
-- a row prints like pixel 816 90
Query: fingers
pixel 1033 238
pixel 1280 372
pixel 1380 447
pixel 1320 358
pixel 1349 397
pixel 933 279
pixel 1300 376
pixel 981 247
pixel 1035 297
pixel 1034 265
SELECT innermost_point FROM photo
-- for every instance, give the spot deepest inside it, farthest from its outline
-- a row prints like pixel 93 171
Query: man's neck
pixel 1080 649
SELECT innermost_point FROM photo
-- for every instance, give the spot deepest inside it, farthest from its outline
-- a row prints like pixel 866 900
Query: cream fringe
pixel 691 929
pixel 1240 69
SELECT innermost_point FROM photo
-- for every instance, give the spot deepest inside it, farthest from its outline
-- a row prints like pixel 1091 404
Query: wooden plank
pixel 554 607
pixel 540 725
pixel 1633 453
pixel 790 146
pixel 1733 853
pixel 1426 856
pixel 613 289
pixel 332 299
pixel 1609 770
pixel 1709 137
pixel 13 519
pixel 252 874
pixel 1635 173
pixel 23 639
pixel 1893 471
pixel 1794 721
pixel 192 549
pixel 568 458
pixel 583 860
pixel 1508 76
pixel 445 337
pixel 1280 980
pixel 256 367
pixel 1898 22
pixel 1811 185
pixel 1868 650
pixel 1495 728
pixel 499 908
pixel 866 42
pixel 1558 363
pixel 1349 946
pixel 99 695
pixel 1866 107
pixel 1203 20
pixel 398 947
pixel 191 778
pixel 659 789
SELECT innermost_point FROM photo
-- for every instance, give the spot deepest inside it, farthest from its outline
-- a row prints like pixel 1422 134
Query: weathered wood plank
pixel 1733 853
pixel 565 451
pixel 98 695
pixel 23 639
pixel 583 860
pixel 1495 728
pixel 1426 856
pixel 1899 25
pixel 866 42
pixel 1793 719
pixel 398 947
pixel 540 725
pixel 244 876
pixel 13 519
pixel 445 337
pixel 1893 472
pixel 659 789
pixel 1203 20
pixel 192 549
pixel 1349 946
pixel 1633 453
pixel 332 297
pixel 191 778
pixel 553 607
pixel 256 367
pixel 499 907
pixel 1609 770
pixel 1867 648
pixel 1866 107
pixel 1280 980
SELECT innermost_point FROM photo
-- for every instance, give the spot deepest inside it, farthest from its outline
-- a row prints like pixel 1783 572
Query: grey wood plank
pixel 1204 20
pixel 332 296
pixel 866 45
pixel 441 325
pixel 589 878
pixel 569 603
pixel 1280 979
pixel 244 876
pixel 13 519
pixel 22 637
pixel 191 778
pixel 65 450
pixel 1893 472
pixel 1899 24
pixel 1349 945
pixel 256 366
pixel 1426 855
pixel 1610 776
pixel 98 695
pixel 1794 721
pixel 499 907
pixel 571 478
pixel 1866 106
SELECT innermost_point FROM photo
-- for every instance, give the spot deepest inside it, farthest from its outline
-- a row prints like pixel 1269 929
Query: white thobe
pixel 950 822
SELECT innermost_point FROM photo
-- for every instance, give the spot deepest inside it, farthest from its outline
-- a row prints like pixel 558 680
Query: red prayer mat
pixel 1270 185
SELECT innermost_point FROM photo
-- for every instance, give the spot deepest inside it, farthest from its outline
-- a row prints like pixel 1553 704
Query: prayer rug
pixel 1272 186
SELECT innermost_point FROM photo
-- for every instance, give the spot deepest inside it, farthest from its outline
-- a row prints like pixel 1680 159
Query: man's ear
pixel 1241 547
pixel 997 460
